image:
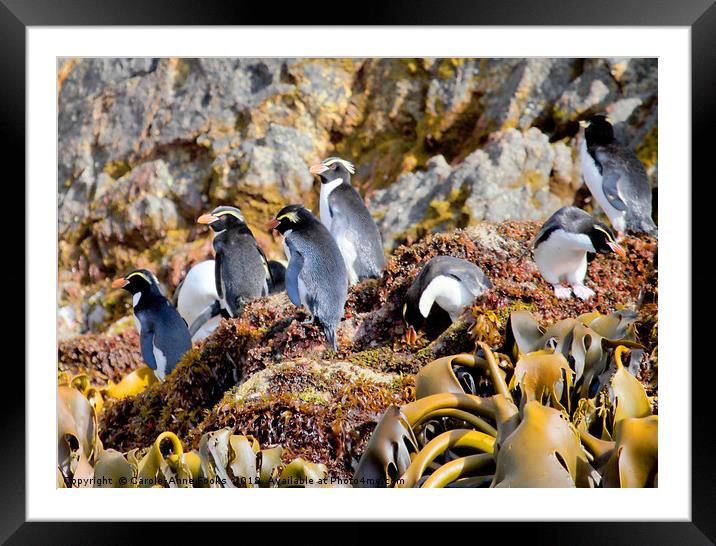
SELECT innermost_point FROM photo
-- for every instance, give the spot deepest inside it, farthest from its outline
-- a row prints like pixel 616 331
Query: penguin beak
pixel 207 219
pixel 318 169
pixel 272 224
pixel 120 283
pixel 618 249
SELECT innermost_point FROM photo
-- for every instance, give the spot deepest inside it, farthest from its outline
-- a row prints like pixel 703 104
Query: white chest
pixel 135 300
pixel 198 291
pixel 326 190
pixel 563 256
pixel 449 293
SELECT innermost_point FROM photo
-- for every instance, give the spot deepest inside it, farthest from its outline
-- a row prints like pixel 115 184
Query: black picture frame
pixel 699 15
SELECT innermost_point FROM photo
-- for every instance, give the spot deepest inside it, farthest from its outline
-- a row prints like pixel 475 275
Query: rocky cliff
pixel 146 145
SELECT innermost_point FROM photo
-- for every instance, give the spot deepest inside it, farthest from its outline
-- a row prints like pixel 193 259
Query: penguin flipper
pixel 610 186
pixel 146 344
pixel 294 269
pixel 211 311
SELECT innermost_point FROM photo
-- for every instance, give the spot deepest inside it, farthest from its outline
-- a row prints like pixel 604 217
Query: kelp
pixel 222 460
pixel 553 388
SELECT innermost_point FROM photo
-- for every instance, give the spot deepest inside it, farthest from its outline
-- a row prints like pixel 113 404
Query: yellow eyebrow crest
pixel 232 212
pixel 609 236
pixel 291 216
pixel 138 274
pixel 347 164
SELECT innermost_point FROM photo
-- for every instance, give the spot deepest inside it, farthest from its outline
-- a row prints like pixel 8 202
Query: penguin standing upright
pixel 197 301
pixel 561 247
pixel 616 178
pixel 316 275
pixel 163 334
pixel 448 282
pixel 239 264
pixel 345 215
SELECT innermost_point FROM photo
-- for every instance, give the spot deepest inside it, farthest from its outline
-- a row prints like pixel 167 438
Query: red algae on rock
pixel 269 375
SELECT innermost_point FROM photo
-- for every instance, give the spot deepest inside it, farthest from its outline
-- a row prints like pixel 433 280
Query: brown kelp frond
pixel 535 429
pixel 543 376
pixel 634 460
pixel 543 451
pixel 77 440
pixel 222 460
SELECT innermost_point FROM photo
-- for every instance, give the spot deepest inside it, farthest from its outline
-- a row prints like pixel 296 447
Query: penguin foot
pixel 411 336
pixel 562 292
pixel 582 292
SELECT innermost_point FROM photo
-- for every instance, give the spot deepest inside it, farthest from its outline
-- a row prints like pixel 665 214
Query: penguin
pixel 616 178
pixel 197 300
pixel 278 276
pixel 562 245
pixel 240 270
pixel 346 217
pixel 163 334
pixel 446 282
pixel 316 276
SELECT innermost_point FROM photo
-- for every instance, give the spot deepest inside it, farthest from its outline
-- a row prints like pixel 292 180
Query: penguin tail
pixel 330 332
pixel 649 227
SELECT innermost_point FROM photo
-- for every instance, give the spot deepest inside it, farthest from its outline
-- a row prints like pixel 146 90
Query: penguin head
pixel 598 130
pixel 603 240
pixel 291 217
pixel 141 281
pixel 333 168
pixel 223 218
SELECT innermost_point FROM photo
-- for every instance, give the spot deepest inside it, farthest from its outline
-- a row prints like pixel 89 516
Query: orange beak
pixel 272 224
pixel 207 219
pixel 318 169
pixel 120 283
pixel 617 248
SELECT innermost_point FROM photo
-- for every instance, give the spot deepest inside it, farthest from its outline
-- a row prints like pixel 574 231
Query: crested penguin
pixel 316 276
pixel 239 270
pixel 346 217
pixel 197 301
pixel 561 247
pixel 163 334
pixel 616 178
pixel 446 282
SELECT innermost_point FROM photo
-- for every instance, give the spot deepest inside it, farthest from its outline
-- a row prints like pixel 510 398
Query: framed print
pixel 306 260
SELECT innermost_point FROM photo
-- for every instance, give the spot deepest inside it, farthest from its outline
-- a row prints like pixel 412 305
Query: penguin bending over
pixel 316 276
pixel 239 264
pixel 197 301
pixel 163 334
pixel 346 217
pixel 616 178
pixel 448 282
pixel 562 245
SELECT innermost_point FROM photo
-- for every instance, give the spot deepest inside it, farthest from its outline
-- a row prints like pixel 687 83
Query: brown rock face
pixel 146 145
